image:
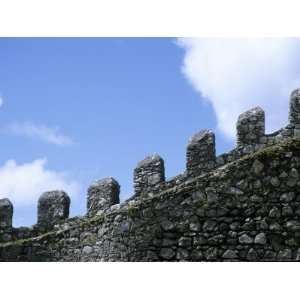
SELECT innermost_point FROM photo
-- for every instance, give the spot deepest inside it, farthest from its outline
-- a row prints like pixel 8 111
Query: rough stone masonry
pixel 239 206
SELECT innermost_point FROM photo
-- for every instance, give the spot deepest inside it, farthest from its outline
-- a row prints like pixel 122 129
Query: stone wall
pixel 240 206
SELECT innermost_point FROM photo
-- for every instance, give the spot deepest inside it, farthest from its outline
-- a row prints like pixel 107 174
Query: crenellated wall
pixel 240 206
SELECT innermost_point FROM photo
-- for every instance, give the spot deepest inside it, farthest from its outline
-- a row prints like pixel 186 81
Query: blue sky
pixel 77 110
pixel 116 100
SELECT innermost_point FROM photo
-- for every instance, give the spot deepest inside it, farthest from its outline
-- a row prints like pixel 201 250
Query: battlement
pixel 203 167
pixel 102 194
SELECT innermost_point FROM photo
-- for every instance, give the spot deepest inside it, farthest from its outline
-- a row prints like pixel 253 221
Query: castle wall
pixel 240 206
pixel 247 211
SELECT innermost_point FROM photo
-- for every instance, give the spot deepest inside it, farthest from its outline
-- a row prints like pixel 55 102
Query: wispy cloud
pixel 24 183
pixel 235 75
pixel 1 101
pixel 41 132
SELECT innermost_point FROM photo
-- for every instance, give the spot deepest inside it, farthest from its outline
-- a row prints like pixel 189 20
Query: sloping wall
pixel 239 206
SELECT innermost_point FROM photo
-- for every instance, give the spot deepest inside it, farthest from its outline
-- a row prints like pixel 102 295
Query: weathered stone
pixel 230 254
pixel 235 191
pixel 168 242
pixel 167 225
pixel 196 255
pixel 200 240
pixel 167 253
pixel 245 239
pixel 257 185
pixel 6 237
pixel 124 227
pixel 182 254
pixel 200 212
pixel 88 238
pixel 211 213
pixel 216 239
pixel 275 227
pixel 242 184
pixel 252 255
pixel 199 196
pixel 257 167
pixel 298 255
pixel 209 225
pixel 222 211
pixel 256 198
pixel 211 253
pixel 285 254
pixel 274 213
pixel 235 226
pixel 275 181
pixel 260 239
pixel 292 242
pixel 263 225
pixel 270 255
pixel 152 256
pixel 293 225
pixel 185 242
pixel 212 195
pixel 291 182
pixel 294 173
pixel 223 227
pixel 287 197
pixel 87 250
pixel 195 226
pixel 287 211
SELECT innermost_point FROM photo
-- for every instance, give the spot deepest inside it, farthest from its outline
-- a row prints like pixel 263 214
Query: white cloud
pixel 1 101
pixel 235 75
pixel 24 183
pixel 41 132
